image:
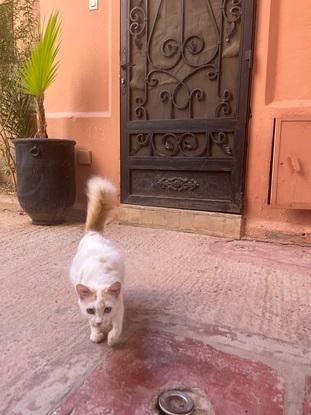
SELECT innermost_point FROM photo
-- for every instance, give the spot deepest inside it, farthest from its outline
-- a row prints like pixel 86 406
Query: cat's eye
pixel 107 310
pixel 90 310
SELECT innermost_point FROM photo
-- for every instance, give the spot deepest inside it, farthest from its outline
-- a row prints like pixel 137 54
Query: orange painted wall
pixel 84 101
pixel 281 87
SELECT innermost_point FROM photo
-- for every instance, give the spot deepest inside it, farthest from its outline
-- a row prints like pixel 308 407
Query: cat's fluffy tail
pixel 101 195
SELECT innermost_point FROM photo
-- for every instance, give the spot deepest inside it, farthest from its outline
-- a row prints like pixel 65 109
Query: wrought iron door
pixel 185 68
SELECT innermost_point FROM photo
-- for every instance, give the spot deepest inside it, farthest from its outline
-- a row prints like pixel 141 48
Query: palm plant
pixel 18 31
pixel 45 169
pixel 16 120
pixel 40 69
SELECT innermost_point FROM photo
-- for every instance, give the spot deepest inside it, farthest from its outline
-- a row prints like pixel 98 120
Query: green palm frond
pixel 20 115
pixel 40 69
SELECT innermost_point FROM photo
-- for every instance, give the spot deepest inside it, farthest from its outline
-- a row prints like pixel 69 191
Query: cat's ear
pixel 83 291
pixel 114 289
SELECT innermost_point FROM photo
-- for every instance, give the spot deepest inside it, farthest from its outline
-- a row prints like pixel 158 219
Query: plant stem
pixel 41 121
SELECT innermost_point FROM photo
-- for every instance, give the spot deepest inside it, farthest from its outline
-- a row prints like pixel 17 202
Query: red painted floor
pixel 307 403
pixel 130 377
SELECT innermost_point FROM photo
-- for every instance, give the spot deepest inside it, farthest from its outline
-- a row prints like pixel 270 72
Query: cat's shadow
pixel 137 318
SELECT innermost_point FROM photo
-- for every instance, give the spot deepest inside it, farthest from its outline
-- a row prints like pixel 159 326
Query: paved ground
pixel 230 320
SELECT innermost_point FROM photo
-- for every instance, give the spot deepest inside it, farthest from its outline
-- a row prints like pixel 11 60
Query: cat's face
pixel 99 306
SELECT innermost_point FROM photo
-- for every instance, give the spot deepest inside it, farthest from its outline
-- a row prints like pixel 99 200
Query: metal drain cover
pixel 175 402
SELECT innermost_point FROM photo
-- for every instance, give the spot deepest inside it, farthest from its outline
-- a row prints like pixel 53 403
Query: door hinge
pixel 248 56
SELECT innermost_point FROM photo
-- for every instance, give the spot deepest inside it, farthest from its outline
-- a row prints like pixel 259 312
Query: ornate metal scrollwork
pixel 169 48
pixel 199 95
pixel 224 105
pixel 142 140
pixel 137 24
pixel 232 15
pixel 221 139
pixel 182 144
pixel 140 110
pixel 171 96
pixel 186 144
pixel 172 64
pixel 170 144
pixel 189 144
pixel 178 184
pixel 194 45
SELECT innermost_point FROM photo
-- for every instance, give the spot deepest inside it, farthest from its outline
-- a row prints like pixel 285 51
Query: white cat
pixel 97 270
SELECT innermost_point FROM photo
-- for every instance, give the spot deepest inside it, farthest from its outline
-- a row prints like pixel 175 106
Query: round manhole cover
pixel 176 402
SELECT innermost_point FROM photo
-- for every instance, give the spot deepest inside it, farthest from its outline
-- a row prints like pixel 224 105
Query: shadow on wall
pixel 272 50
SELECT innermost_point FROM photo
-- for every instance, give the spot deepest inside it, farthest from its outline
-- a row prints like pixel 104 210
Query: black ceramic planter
pixel 45 170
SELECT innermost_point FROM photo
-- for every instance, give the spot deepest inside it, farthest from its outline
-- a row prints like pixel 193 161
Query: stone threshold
pixel 208 223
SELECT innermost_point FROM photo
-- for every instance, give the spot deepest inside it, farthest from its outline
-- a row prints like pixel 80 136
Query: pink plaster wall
pixel 281 87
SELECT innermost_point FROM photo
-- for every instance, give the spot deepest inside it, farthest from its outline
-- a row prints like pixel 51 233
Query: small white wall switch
pixel 93 4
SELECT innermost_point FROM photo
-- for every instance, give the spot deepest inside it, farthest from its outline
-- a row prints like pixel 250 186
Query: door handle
pixel 123 85
pixel 295 164
pixel 124 66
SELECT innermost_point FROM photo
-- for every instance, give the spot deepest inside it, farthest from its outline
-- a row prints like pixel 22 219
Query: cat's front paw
pixel 97 337
pixel 113 338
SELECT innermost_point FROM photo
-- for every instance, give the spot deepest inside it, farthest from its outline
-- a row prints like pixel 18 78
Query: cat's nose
pixel 98 323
